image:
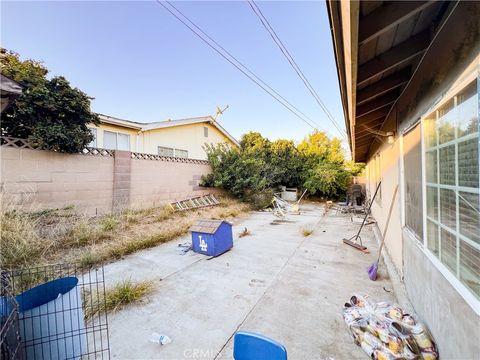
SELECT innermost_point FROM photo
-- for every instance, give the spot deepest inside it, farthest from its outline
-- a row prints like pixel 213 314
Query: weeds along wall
pixel 98 181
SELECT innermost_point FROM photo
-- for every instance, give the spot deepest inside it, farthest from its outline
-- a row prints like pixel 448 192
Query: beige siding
pixel 186 137
pixel 390 177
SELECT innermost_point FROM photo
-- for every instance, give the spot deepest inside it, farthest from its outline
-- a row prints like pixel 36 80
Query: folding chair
pixel 251 346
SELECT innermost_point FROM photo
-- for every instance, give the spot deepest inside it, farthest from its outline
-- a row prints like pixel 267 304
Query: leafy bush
pixel 49 113
pixel 327 179
pixel 250 172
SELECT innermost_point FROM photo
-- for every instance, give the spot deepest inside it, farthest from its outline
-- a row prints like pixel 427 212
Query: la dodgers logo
pixel 203 244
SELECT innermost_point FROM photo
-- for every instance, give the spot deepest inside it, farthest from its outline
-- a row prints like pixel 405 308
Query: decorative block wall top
pixel 142 156
pixel 93 151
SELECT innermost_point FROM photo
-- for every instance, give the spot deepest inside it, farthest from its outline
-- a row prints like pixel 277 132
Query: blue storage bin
pixel 52 325
pixel 211 237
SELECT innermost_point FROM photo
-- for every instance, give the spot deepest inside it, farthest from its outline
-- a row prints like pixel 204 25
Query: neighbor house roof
pixel 166 124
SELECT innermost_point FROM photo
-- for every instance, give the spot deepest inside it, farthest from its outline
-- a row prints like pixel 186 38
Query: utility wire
pixel 238 65
pixel 292 62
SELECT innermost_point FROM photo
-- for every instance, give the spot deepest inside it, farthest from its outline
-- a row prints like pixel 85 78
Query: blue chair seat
pixel 252 346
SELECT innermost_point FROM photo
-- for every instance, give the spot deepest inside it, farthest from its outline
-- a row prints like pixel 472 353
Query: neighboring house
pixel 9 91
pixel 177 138
pixel 409 80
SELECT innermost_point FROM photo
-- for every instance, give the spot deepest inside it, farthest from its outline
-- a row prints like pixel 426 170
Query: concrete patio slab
pixel 275 282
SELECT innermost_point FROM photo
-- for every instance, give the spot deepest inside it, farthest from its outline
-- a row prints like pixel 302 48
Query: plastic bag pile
pixel 385 332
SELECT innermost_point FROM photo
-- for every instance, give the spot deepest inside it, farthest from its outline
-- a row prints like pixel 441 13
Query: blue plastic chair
pixel 251 346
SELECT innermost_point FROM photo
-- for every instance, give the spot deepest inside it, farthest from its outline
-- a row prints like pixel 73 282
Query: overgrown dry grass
pixel 61 235
pixel 124 293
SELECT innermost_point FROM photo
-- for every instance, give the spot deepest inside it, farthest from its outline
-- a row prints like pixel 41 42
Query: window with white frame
pixel 451 142
pixel 181 153
pixel 93 143
pixel 116 141
pixel 165 151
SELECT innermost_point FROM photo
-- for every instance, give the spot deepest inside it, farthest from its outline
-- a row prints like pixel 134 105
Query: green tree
pixel 251 171
pixel 255 143
pixel 328 179
pixel 318 147
pixel 50 113
pixel 235 170
pixel 287 162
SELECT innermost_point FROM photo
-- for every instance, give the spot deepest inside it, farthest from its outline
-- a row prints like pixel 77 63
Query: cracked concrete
pixel 275 282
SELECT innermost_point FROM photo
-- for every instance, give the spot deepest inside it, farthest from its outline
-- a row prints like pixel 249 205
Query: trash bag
pixel 386 332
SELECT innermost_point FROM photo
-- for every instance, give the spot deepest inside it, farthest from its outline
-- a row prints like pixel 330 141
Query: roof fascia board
pixel 349 13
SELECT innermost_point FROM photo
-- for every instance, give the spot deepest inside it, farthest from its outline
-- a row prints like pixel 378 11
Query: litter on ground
pixel 184 248
pixel 385 332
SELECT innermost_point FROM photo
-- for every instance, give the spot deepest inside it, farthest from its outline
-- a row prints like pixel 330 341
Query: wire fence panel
pixel 61 311
pixel 10 340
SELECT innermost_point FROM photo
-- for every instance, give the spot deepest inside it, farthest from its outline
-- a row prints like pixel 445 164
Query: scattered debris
pixel 244 232
pixel 281 207
pixel 160 339
pixel 184 248
pixel 194 203
pixel 370 220
pixel 385 331
pixel 278 222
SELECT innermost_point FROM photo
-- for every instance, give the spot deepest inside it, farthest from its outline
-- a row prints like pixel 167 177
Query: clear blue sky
pixel 141 64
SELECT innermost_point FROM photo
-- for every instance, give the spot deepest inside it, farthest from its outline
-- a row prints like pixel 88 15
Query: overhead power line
pixel 293 64
pixel 236 63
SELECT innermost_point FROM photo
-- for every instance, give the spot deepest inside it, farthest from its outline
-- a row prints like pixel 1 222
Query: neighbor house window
pixel 93 143
pixel 116 141
pixel 412 161
pixel 165 151
pixel 205 131
pixel 451 136
pixel 181 153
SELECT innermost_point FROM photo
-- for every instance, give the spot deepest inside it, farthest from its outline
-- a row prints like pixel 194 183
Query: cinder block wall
pixel 33 180
pixel 157 182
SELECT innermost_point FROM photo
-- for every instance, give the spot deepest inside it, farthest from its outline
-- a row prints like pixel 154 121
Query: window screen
pixel 123 141
pixel 109 140
pixel 165 151
pixel 205 131
pixel 451 137
pixel 181 153
pixel 412 160
pixel 116 141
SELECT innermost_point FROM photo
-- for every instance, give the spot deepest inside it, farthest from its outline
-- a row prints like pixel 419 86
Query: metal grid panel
pixel 61 311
